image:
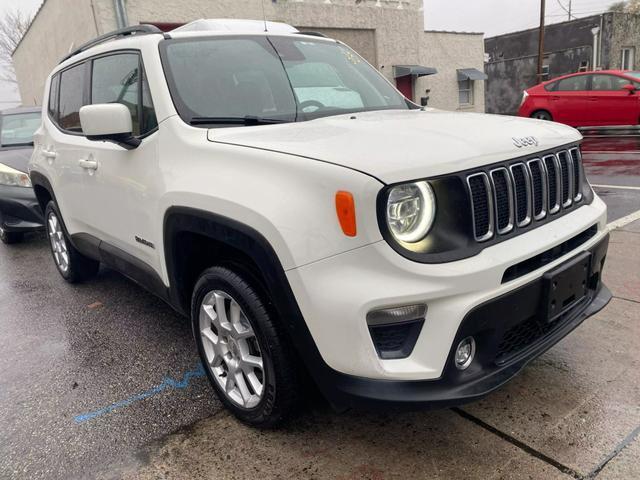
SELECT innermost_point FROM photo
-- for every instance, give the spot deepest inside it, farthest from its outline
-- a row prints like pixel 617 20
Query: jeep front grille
pixel 517 194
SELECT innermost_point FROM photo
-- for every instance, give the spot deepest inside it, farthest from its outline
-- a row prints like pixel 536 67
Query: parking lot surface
pixel 102 380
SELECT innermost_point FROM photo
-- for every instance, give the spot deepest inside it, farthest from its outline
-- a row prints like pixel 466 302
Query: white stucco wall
pixel 448 52
pixel 386 32
pixel 59 26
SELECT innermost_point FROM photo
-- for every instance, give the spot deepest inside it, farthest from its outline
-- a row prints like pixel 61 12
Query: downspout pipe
pixel 121 14
pixel 596 34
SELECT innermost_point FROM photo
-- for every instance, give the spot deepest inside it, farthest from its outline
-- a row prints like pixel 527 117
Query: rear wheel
pixel 9 238
pixel 246 357
pixel 542 115
pixel 71 264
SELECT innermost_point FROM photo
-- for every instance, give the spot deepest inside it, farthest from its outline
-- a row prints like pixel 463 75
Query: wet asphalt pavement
pixel 102 380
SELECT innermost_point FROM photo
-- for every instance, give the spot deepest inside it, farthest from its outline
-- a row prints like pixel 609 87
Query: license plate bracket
pixel 565 286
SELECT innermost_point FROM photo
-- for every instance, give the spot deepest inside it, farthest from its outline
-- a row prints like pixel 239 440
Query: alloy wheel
pixel 58 242
pixel 231 348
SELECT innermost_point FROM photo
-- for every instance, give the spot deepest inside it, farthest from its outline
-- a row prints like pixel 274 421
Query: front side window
pixel 117 79
pixel 465 92
pixel 602 83
pixel 572 84
pixel 71 98
pixel 232 80
pixel 18 128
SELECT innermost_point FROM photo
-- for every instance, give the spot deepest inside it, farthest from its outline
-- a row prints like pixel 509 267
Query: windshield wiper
pixel 247 120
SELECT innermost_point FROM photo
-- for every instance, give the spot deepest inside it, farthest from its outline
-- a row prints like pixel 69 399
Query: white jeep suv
pixel 276 189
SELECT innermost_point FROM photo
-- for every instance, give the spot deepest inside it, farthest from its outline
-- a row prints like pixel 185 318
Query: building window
pixel 545 73
pixel 465 92
pixel 628 58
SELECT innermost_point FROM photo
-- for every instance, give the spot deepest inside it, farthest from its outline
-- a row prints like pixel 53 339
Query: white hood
pixel 396 146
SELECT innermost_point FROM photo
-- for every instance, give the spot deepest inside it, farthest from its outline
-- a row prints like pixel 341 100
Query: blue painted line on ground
pixel 167 382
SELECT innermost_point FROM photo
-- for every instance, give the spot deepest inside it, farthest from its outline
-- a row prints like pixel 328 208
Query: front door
pixel 405 85
pixel 610 104
pixel 119 182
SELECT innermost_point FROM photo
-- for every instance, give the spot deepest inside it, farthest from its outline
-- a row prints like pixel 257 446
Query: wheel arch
pixel 187 223
pixel 42 189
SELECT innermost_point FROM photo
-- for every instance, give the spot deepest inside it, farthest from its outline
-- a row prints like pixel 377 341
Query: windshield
pixel 254 79
pixel 18 128
pixel 633 74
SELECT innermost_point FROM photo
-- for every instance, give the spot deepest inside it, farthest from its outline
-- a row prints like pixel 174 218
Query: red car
pixel 590 99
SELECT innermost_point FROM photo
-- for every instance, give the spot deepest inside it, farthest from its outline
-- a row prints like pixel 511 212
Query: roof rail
pixel 123 32
pixel 313 34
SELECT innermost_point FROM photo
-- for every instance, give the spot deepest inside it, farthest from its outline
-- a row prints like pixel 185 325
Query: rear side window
pixel 572 84
pixel 119 79
pixel 71 98
pixel 53 97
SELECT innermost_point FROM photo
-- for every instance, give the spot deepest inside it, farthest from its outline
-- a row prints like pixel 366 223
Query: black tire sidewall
pixel 266 413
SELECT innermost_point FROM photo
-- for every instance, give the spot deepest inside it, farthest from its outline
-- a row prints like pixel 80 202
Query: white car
pixel 276 189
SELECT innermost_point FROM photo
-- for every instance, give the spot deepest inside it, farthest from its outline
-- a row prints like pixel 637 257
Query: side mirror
pixel 108 122
pixel 630 88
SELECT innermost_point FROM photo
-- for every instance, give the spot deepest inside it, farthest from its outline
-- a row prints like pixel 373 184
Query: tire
pixel 70 263
pixel 245 335
pixel 9 238
pixel 542 115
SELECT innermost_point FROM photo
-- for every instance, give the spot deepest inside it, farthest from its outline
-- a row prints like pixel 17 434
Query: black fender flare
pixel 253 244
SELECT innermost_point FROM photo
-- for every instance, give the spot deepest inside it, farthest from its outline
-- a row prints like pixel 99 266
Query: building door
pixel 405 85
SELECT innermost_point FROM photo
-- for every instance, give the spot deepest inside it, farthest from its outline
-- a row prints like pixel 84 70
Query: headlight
pixel 14 178
pixel 411 209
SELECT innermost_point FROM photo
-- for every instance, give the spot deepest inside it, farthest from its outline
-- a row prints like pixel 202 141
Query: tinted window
pixel 18 128
pixel 71 98
pixel 53 97
pixel 608 82
pixel 573 84
pixel 117 79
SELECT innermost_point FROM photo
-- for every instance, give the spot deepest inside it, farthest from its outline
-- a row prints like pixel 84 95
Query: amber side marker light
pixel 346 210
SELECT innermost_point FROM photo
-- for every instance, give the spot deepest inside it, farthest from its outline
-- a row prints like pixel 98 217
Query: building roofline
pixel 553 25
pixel 454 32
pixel 35 15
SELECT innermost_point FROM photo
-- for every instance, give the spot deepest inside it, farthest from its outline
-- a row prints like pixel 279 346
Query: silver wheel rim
pixel 231 349
pixel 541 116
pixel 58 243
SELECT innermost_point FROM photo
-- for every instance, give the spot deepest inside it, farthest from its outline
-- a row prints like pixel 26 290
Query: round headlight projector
pixel 465 352
pixel 411 209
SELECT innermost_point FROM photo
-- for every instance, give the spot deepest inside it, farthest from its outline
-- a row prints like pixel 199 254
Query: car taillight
pixel 524 97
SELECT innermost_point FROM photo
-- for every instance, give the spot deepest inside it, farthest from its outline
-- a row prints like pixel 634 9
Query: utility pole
pixel 569 17
pixel 541 40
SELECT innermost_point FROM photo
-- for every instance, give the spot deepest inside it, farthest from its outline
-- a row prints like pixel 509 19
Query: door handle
pixel 49 154
pixel 88 164
pixel 555 98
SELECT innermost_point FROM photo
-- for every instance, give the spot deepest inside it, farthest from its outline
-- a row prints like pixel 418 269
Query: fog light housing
pixel 395 330
pixel 465 351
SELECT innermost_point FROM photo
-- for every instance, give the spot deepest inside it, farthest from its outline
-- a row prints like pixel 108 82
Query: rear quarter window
pixel 53 98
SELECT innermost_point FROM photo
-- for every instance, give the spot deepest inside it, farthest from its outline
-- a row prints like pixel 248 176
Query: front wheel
pixel 246 357
pixel 542 115
pixel 71 264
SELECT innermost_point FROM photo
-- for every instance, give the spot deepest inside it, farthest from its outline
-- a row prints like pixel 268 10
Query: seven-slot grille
pixel 518 194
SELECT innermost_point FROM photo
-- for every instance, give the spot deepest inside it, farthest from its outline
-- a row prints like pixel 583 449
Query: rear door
pixel 62 145
pixel 609 103
pixel 568 101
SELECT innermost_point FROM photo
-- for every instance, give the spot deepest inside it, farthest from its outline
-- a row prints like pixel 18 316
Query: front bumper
pixel 19 210
pixel 510 332
pixel 334 296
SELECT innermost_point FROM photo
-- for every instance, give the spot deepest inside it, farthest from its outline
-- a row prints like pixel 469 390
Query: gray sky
pixel 492 17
